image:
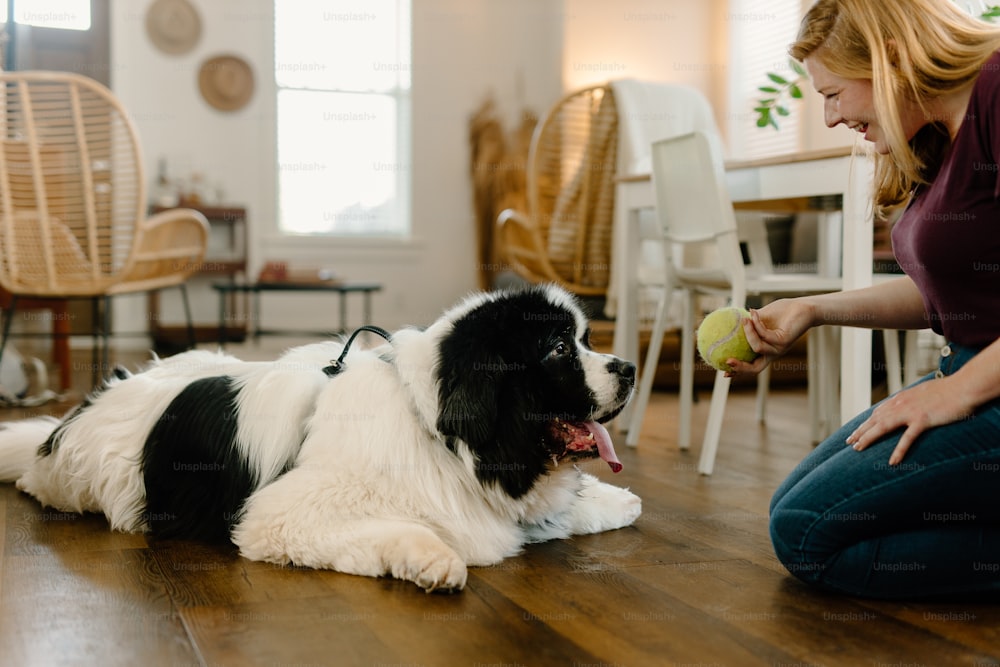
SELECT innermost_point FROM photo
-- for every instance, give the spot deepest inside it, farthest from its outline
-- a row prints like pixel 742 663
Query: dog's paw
pixel 622 507
pixel 445 575
pixel 436 570
pixel 629 507
pixel 605 507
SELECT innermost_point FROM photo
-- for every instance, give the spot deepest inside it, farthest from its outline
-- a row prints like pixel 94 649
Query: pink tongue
pixel 604 446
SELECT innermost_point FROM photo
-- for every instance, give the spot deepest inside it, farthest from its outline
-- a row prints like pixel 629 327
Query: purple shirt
pixel 948 239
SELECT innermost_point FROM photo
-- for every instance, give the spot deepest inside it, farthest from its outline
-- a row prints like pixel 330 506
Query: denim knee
pixel 789 535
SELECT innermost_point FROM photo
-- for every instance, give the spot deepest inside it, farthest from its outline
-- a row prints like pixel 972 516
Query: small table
pixel 339 288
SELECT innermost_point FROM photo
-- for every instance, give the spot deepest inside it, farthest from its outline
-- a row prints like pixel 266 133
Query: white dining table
pixel 814 180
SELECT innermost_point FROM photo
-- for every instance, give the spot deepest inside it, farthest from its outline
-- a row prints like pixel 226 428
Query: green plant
pixel 779 89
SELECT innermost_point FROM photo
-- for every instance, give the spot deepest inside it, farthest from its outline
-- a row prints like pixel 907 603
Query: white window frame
pixel 401 165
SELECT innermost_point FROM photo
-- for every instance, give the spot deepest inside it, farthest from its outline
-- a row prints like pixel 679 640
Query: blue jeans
pixel 927 528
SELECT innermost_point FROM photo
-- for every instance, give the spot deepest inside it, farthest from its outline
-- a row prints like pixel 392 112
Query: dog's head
pixel 519 384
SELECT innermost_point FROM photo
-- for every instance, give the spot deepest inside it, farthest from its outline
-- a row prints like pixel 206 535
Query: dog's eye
pixel 561 349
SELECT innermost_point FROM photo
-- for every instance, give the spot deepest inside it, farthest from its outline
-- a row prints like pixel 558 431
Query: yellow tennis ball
pixel 721 337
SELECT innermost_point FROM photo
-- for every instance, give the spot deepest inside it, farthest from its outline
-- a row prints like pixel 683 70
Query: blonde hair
pixel 909 49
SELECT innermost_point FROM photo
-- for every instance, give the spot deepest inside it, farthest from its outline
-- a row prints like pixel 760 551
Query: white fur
pixel 373 490
pixel 19 442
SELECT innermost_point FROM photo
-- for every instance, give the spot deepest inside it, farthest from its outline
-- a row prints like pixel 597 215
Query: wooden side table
pixel 231 221
pixel 341 289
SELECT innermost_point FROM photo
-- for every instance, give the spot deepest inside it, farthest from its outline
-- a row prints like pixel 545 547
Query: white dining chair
pixel 694 211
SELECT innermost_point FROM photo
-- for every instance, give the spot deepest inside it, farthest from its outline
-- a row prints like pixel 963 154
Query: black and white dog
pixel 445 447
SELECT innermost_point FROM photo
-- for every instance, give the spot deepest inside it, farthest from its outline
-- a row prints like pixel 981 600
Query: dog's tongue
pixel 604 446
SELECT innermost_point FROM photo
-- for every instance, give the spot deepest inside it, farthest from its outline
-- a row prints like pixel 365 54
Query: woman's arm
pixel 933 403
pixel 773 329
pixel 892 304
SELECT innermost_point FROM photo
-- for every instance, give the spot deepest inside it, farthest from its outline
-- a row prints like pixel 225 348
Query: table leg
pixel 222 319
pixel 626 336
pixel 256 316
pixel 60 344
pixel 856 342
pixel 368 307
pixel 343 312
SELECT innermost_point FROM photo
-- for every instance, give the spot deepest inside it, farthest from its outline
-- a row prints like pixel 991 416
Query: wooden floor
pixel 693 582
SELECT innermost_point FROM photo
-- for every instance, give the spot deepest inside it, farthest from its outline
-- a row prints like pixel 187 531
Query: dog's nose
pixel 626 369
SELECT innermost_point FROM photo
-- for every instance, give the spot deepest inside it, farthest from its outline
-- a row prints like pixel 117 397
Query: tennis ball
pixel 721 337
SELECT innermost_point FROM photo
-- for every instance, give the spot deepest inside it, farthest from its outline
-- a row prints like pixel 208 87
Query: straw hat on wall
pixel 226 82
pixel 174 26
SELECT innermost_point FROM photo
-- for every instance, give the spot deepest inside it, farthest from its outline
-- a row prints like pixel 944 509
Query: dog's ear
pixel 484 404
pixel 514 459
pixel 486 396
pixel 467 396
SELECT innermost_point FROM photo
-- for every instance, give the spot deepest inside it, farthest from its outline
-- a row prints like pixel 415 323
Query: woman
pixel 904 500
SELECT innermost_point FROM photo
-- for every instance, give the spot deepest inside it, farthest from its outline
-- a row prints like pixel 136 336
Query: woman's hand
pixel 918 408
pixel 771 331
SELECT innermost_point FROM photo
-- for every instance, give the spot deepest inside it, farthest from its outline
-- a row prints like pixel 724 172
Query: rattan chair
pixel 73 221
pixel 564 236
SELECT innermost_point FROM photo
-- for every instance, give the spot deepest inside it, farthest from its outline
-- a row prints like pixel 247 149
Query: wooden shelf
pixel 215 214
pixel 222 266
pixel 233 265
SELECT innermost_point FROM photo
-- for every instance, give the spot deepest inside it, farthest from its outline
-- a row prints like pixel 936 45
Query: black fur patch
pixel 499 387
pixel 196 479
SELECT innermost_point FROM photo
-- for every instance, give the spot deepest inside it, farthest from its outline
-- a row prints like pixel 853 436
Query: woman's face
pixel 849 101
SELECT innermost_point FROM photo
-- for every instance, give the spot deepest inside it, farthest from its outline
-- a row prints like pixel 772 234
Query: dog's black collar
pixel 337 365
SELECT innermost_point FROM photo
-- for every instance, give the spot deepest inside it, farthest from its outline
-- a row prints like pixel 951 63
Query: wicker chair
pixel 73 221
pixel 564 236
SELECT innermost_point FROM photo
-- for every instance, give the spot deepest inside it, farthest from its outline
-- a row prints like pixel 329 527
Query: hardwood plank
pixel 317 631
pixel 207 575
pixel 483 627
pixel 813 627
pixel 605 609
pixel 33 529
pixel 90 607
pixel 976 626
pixel 379 621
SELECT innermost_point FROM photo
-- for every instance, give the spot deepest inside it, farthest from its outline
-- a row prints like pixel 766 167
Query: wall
pixel 676 41
pixel 463 50
pixel 233 150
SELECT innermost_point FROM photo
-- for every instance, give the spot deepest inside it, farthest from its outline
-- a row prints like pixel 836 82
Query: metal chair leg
pixel 187 314
pixel 106 330
pixel 95 323
pixel 7 321
pixel 100 356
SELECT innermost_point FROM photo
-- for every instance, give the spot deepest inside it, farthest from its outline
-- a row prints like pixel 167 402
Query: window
pixel 65 14
pixel 343 80
pixel 761 31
